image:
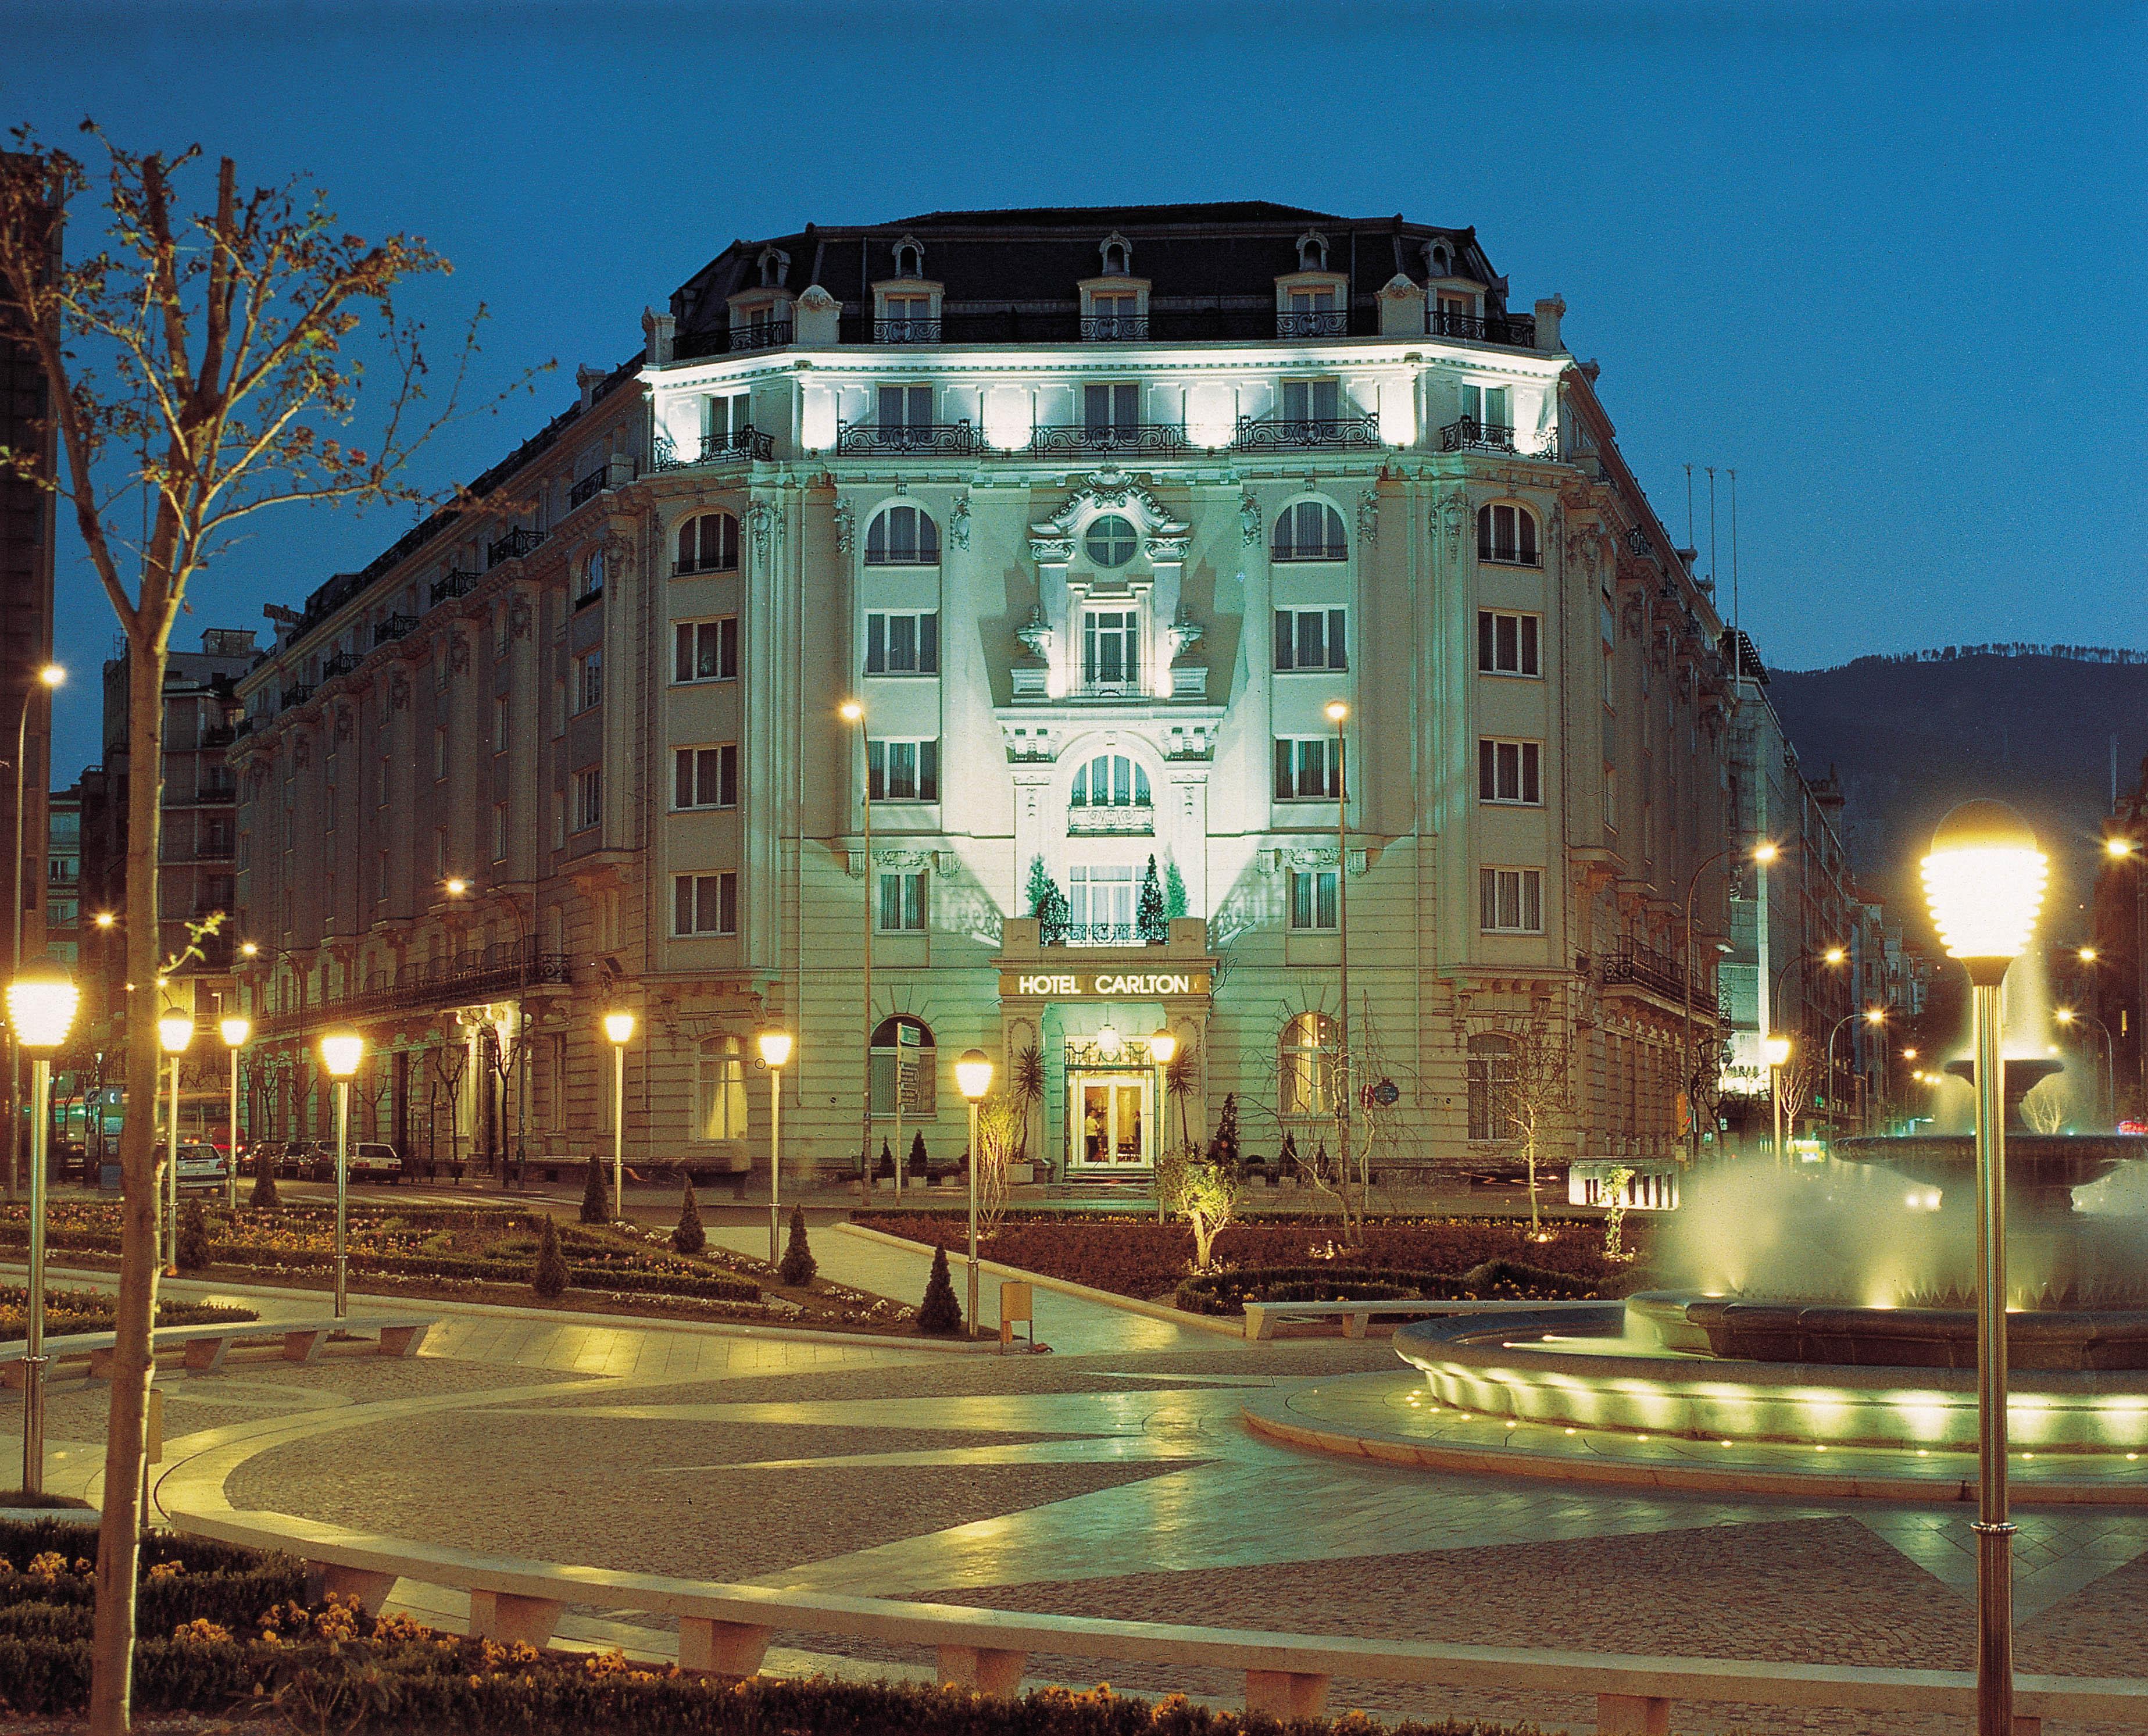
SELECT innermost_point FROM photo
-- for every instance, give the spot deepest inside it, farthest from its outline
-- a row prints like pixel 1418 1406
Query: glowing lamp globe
pixel 1161 1047
pixel 175 1031
pixel 619 1026
pixel 1765 853
pixel 1983 881
pixel 41 1006
pixel 973 1073
pixel 340 1051
pixel 852 710
pixel 1337 711
pixel 236 1030
pixel 775 1047
pixel 1777 1049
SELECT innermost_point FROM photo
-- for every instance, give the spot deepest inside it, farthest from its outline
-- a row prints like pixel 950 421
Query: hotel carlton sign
pixel 1094 985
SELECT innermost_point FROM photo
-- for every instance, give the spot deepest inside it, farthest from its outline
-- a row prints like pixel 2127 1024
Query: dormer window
pixel 1118 256
pixel 909 258
pixel 1312 251
pixel 1115 308
pixel 775 266
pixel 1312 304
pixel 1439 260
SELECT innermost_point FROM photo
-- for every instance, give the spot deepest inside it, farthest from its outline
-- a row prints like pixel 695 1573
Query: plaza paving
pixel 1112 1477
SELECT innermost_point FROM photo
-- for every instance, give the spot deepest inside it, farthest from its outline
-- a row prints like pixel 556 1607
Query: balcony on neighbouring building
pixel 908 439
pixel 507 967
pixel 1516 331
pixel 513 546
pixel 455 583
pixel 906 331
pixel 1320 323
pixel 342 663
pixel 714 449
pixel 1296 433
pixel 1115 328
pixel 1468 435
pixel 1158 439
pixel 761 334
pixel 219 735
pixel 1659 972
pixel 395 627
pixel 589 487
pixel 294 696
pixel 1133 820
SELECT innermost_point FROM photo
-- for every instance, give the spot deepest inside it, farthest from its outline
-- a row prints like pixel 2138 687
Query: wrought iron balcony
pixel 589 487
pixel 1115 328
pixel 1658 972
pixel 506 967
pixel 219 735
pixel 1145 437
pixel 215 792
pixel 909 439
pixel 1132 821
pixel 1094 687
pixel 295 696
pixel 1470 435
pixel 342 663
pixel 906 331
pixel 513 546
pixel 1338 433
pixel 456 583
pixel 1101 934
pixel 1323 322
pixel 395 627
pixel 763 334
pixel 1516 331
pixel 715 449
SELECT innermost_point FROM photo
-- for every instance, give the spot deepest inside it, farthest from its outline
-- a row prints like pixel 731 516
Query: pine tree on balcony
pixel 1151 927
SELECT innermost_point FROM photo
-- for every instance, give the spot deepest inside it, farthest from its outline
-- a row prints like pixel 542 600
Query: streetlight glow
pixel 175 1031
pixel 454 886
pixel 1766 852
pixel 105 918
pixel 2118 846
pixel 52 674
pixel 2086 954
pixel 1777 1049
pixel 619 1026
pixel 41 1007
pixel 1983 881
pixel 1833 956
pixel 1163 1046
pixel 340 1051
pixel 852 710
pixel 1337 711
pixel 236 1029
pixel 775 1047
pixel 973 1073
pixel 247 949
pixel 1875 1015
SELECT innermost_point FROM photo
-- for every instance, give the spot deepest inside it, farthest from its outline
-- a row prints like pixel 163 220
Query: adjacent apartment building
pixel 1023 630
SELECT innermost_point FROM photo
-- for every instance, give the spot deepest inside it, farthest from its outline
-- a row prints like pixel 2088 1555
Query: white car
pixel 371 1162
pixel 201 1166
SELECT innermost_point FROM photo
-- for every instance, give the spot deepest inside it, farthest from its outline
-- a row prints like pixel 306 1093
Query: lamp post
pixel 774 1052
pixel 456 887
pixel 49 676
pixel 252 950
pixel 1777 1049
pixel 855 713
pixel 41 1006
pixel 1983 881
pixel 619 1026
pixel 973 1073
pixel 1338 713
pixel 340 1051
pixel 1764 853
pixel 1161 1048
pixel 1871 1015
pixel 236 1030
pixel 2120 846
pixel 2068 1015
pixel 175 1031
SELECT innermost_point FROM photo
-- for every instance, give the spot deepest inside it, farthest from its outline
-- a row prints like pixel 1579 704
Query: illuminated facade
pixel 1094 514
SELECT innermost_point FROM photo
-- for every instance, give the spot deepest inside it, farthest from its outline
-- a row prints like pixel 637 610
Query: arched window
pixel 1491 1087
pixel 720 1089
pixel 1310 531
pixel 1507 533
pixel 909 258
pixel 1312 251
pixel 593 575
pixel 1307 1057
pixel 1110 780
pixel 708 544
pixel 1118 256
pixel 1441 259
pixel 908 1042
pixel 903 536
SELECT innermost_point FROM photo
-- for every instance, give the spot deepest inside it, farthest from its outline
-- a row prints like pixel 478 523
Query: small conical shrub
pixel 690 1238
pixel 919 1162
pixel 884 1168
pixel 940 1314
pixel 264 1198
pixel 596 1197
pixel 797 1265
pixel 193 1251
pixel 550 1277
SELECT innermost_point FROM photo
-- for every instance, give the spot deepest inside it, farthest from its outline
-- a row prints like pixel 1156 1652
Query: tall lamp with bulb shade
pixel 618 1028
pixel 175 1032
pixel 341 1051
pixel 41 1007
pixel 1777 1049
pixel 973 1074
pixel 775 1047
pixel 235 1030
pixel 1161 1047
pixel 1984 881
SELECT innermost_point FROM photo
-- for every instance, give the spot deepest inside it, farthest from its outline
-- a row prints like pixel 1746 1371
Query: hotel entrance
pixel 1112 1119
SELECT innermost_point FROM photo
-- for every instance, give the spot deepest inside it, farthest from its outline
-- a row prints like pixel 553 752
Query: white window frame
pixel 1287 549
pixel 1520 550
pixel 500 831
pixel 913 896
pixel 1303 751
pixel 883 522
pixel 721 1104
pixel 589 680
pixel 1332 628
pixel 710 771
pixel 720 891
pixel 1527 761
pixel 887 754
pixel 1301 398
pixel 924 648
pixel 1528 630
pixel 588 799
pixel 1505 893
pixel 686 648
pixel 715 549
pixel 1307 888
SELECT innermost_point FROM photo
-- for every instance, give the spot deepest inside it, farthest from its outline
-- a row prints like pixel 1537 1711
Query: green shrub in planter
pixel 1228 1291
pixel 596 1197
pixel 939 1313
pixel 549 1278
pixel 690 1238
pixel 798 1265
pixel 192 1252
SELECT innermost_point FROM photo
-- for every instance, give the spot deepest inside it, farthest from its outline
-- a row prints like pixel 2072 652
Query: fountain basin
pixel 2042 1169
pixel 2084 1339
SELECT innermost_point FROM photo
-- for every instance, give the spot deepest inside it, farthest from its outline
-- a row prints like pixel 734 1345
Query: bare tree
pixel 1533 1094
pixel 197 373
pixel 1002 1120
pixel 1796 1080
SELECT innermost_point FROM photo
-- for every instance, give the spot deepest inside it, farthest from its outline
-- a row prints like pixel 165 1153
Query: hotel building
pixel 1092 518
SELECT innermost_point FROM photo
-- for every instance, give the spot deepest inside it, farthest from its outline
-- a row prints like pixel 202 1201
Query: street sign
pixel 909 1036
pixel 1387 1094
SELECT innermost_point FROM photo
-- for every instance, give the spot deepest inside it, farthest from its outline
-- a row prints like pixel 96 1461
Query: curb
pixel 1067 1286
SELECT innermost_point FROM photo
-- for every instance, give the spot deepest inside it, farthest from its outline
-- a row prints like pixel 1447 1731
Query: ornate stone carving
pixel 958 522
pixel 1051 550
pixel 301 751
pixel 1452 512
pixel 1036 633
pixel 458 655
pixel 762 524
pixel 518 616
pixel 343 723
pixel 1184 632
pixel 846 526
pixel 1249 517
pixel 398 689
pixel 1368 517
pixel 1052 540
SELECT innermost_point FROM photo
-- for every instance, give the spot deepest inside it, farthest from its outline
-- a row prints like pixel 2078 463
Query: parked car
pixel 270 1151
pixel 371 1161
pixel 201 1166
pixel 310 1159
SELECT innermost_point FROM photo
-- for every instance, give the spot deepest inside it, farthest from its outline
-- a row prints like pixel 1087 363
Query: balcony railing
pixel 1102 934
pixel 762 334
pixel 513 546
pixel 909 439
pixel 906 331
pixel 1145 436
pixel 1115 328
pixel 295 696
pixel 214 792
pixel 219 735
pixel 1515 330
pixel 342 663
pixel 1323 323
pixel 589 487
pixel 1659 972
pixel 395 627
pixel 1470 435
pixel 1137 821
pixel 715 449
pixel 1301 433
pixel 456 583
pixel 467 977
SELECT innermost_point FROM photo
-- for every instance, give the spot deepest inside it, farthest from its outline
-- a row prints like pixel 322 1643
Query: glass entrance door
pixel 1110 1120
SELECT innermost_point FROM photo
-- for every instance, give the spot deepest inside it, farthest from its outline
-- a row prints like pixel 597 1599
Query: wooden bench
pixel 725 1630
pixel 203 1347
pixel 1262 1318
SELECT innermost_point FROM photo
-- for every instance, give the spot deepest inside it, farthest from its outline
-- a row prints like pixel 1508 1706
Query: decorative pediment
pixel 1051 540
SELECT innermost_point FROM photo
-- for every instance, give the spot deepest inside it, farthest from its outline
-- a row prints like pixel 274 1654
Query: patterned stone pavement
pixel 1112 1477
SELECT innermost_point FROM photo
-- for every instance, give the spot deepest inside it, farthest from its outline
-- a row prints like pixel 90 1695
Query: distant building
pixel 2119 978
pixel 63 876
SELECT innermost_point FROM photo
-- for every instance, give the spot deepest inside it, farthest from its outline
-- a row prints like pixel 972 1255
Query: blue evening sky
pixel 1885 260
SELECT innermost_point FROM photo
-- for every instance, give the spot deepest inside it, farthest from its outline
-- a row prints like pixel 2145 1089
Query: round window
pixel 1111 541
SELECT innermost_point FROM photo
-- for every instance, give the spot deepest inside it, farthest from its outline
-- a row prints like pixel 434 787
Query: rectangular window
pixel 440 852
pixel 1487 407
pixel 704 903
pixel 730 415
pixel 706 651
pixel 1312 899
pixel 1507 643
pixel 499 722
pixel 559 821
pixel 705 777
pixel 380 878
pixel 901 902
pixel 905 770
pixel 1112 408
pixel 1511 900
pixel 1311 400
pixel 1309 639
pixel 588 799
pixel 1115 318
pixel 440 752
pixel 589 680
pixel 1111 648
pixel 1101 902
pixel 500 831
pixel 905 407
pixel 1509 771
pixel 1307 768
pixel 902 645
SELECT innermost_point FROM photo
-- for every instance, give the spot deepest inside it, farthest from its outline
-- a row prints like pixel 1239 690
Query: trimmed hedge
pixel 1228 1291
pixel 216 1580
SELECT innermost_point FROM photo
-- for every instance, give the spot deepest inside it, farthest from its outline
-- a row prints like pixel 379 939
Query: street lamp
pixel 855 713
pixel 774 1052
pixel 1875 1016
pixel 236 1029
pixel 2068 1015
pixel 973 1073
pixel 1161 1048
pixel 1983 881
pixel 175 1030
pixel 1764 853
pixel 619 1026
pixel 1777 1049
pixel 41 1006
pixel 49 676
pixel 1338 713
pixel 340 1051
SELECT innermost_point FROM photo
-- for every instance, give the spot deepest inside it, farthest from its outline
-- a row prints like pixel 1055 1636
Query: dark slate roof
pixel 1226 254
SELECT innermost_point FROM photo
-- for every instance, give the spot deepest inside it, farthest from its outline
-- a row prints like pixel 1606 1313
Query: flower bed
pixel 222 1632
pixel 91 1311
pixel 1228 1291
pixel 1137 1256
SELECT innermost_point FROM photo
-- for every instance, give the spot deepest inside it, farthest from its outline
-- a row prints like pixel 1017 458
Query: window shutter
pixel 928 644
pixel 1284 787
pixel 682 904
pixel 1284 644
pixel 1529 666
pixel 682 655
pixel 876 644
pixel 682 778
pixel 1487 782
pixel 1335 657
pixel 928 770
pixel 876 769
